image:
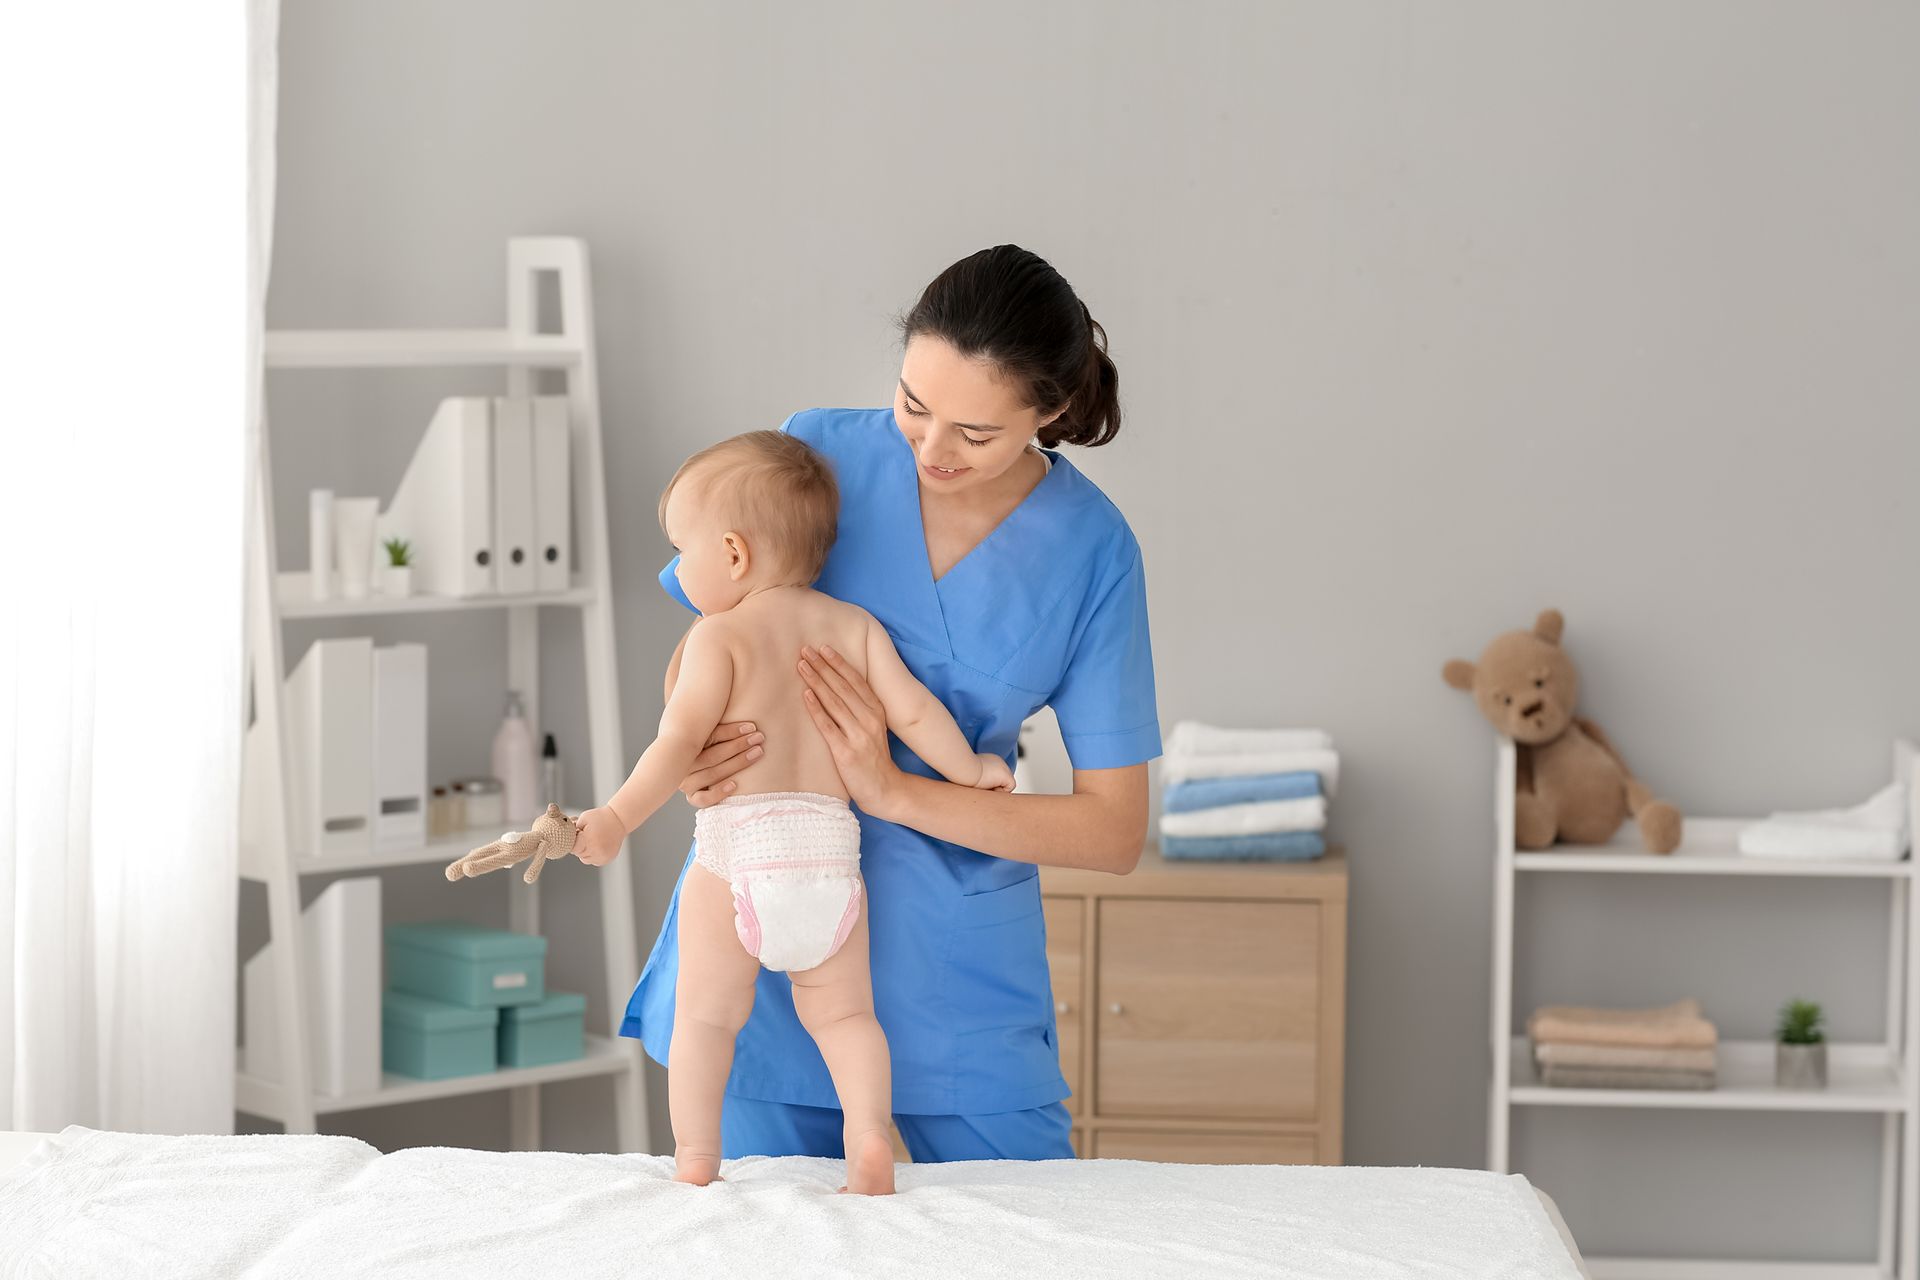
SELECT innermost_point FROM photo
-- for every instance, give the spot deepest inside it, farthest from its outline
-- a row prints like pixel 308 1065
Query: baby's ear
pixel 1549 625
pixel 1459 673
pixel 739 557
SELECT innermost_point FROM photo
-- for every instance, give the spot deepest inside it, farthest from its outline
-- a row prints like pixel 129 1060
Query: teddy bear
pixel 551 837
pixel 1573 785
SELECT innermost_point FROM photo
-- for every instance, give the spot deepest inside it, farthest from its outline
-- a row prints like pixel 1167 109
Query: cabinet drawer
pixel 1208 1009
pixel 1066 960
pixel 1174 1147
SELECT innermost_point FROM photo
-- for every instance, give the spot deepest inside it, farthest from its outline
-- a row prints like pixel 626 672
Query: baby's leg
pixel 711 1004
pixel 835 1003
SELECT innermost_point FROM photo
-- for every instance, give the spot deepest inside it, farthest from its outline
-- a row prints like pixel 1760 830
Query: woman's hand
pixel 731 748
pixel 854 724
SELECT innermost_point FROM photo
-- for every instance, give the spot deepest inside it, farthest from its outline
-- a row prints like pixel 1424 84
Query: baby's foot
pixel 697 1168
pixel 870 1165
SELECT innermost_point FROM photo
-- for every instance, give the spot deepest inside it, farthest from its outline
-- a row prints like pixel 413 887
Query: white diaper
pixel 792 859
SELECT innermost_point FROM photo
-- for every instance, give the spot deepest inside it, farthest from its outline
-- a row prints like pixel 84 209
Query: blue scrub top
pixel 1049 610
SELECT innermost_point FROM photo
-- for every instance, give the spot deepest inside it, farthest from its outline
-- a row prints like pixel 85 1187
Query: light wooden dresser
pixel 1202 1008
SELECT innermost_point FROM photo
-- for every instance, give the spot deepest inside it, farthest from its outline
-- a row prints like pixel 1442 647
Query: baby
pixel 776 874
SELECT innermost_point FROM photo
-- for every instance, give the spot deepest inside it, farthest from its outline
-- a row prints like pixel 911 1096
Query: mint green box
pixel 465 963
pixel 432 1040
pixel 532 1035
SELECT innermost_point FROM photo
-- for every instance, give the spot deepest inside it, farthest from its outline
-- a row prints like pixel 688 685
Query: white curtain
pixel 133 307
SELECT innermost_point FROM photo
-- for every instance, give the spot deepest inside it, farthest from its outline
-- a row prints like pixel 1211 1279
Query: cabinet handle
pixel 1115 1009
pixel 1061 1006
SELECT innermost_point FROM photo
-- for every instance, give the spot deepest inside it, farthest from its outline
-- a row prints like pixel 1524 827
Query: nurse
pixel 1008 582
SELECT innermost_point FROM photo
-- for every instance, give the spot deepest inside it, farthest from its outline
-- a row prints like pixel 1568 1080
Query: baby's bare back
pixel 764 634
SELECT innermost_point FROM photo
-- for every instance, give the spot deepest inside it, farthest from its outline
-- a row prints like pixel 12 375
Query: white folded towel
pixel 1321 760
pixel 1874 831
pixel 1191 738
pixel 1309 813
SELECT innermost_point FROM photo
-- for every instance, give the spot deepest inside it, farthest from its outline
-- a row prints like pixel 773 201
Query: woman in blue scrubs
pixel 1008 582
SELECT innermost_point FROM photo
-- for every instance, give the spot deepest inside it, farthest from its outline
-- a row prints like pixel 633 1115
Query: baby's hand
pixel 994 774
pixel 598 836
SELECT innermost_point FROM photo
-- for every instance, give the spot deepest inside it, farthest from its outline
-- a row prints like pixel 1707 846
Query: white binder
pixel 340 932
pixel 552 493
pixel 399 747
pixel 444 505
pixel 330 736
pixel 513 495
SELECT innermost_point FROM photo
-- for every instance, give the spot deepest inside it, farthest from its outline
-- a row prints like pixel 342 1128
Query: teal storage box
pixel 532 1035
pixel 468 964
pixel 432 1040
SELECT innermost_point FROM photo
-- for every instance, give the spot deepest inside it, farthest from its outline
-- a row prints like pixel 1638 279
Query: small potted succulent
pixel 1800 1057
pixel 396 576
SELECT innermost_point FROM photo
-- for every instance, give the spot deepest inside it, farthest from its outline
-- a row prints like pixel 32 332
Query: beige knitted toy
pixel 551 837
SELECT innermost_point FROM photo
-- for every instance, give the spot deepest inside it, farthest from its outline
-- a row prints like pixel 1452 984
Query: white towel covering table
pixel 90 1203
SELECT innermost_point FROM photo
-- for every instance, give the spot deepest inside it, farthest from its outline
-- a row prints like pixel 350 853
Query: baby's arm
pixel 923 722
pixel 694 706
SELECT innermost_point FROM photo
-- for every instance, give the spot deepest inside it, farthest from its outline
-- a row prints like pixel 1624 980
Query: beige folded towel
pixel 1624 1078
pixel 1671 1026
pixel 1562 1054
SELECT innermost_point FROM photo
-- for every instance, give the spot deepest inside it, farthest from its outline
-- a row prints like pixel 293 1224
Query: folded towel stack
pixel 1874 831
pixel 1669 1047
pixel 1246 794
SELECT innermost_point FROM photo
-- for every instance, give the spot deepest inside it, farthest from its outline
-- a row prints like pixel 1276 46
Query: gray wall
pixel 1428 316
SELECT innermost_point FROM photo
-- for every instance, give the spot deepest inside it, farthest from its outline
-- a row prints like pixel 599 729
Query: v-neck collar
pixel 1054 464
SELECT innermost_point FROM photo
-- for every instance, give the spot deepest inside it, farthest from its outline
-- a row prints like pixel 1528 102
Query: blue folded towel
pixel 1279 846
pixel 1213 793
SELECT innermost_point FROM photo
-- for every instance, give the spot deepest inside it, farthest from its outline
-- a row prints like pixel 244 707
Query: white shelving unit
pixel 1878 1078
pixel 522 350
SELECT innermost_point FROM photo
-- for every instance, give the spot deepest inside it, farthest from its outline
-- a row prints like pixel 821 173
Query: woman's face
pixel 966 425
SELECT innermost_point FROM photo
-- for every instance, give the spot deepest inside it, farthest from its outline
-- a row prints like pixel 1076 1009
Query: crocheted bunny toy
pixel 551 837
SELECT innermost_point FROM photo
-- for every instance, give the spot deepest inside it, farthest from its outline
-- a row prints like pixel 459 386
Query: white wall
pixel 1427 317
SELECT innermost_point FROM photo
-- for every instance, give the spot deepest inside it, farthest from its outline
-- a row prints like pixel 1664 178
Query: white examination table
pixel 87 1203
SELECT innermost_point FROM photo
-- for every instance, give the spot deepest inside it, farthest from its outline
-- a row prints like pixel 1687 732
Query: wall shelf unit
pixel 1879 1078
pixel 521 350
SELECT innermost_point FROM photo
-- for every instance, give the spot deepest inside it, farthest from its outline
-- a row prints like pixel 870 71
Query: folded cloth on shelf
pixel 1624 1078
pixel 1671 1026
pixel 1875 830
pixel 1191 738
pixel 1214 793
pixel 1279 846
pixel 1321 760
pixel 1306 814
pixel 1558 1053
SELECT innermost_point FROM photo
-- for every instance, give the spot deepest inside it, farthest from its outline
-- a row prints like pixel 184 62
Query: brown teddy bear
pixel 551 837
pixel 1573 785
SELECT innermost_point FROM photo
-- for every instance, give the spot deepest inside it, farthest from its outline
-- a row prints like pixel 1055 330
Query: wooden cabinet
pixel 1201 1008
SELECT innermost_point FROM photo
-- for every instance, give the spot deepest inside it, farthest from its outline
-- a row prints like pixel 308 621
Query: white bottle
pixel 516 766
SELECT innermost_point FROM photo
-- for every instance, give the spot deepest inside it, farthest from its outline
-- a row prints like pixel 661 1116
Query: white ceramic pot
pixel 1800 1066
pixel 396 580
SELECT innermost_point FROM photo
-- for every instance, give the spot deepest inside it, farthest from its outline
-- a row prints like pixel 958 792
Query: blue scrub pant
pixel 752 1128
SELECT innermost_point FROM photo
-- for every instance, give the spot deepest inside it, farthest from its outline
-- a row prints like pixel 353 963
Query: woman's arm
pixel 1101 826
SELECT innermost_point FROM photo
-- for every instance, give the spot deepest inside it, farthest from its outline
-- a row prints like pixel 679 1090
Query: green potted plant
pixel 396 576
pixel 1800 1057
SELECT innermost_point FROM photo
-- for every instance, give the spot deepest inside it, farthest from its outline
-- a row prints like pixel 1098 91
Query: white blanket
pixel 1191 738
pixel 1262 817
pixel 1875 830
pixel 111 1204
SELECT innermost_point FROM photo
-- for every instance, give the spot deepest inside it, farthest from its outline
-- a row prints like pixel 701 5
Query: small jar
pixel 437 814
pixel 486 802
pixel 456 808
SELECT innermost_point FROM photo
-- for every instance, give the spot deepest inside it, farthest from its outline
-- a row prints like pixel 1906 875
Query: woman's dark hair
pixel 1009 306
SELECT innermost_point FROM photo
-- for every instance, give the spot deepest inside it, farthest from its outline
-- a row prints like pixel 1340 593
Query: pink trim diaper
pixel 792 859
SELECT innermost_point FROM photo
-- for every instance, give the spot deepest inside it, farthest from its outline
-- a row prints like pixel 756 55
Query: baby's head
pixel 758 510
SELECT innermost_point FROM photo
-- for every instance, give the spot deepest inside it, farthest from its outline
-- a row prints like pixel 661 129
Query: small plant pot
pixel 1800 1066
pixel 396 580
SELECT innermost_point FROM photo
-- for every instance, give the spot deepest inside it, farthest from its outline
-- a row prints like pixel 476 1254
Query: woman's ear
pixel 739 558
